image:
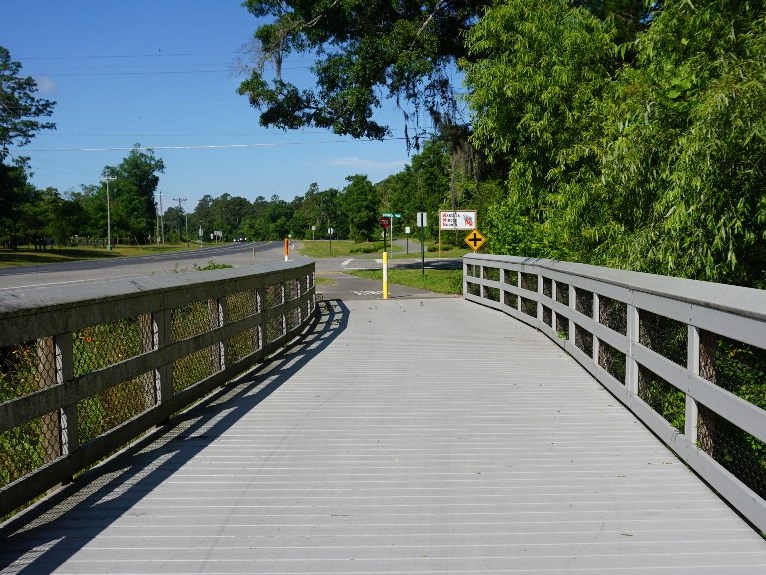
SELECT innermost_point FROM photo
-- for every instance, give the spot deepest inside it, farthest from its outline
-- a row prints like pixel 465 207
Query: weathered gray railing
pixel 687 357
pixel 86 371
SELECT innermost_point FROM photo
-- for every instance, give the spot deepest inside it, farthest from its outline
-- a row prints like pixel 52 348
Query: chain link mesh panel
pixel 188 321
pixel 24 369
pixel 662 397
pixel 584 305
pixel 293 291
pixel 28 447
pixel 106 410
pixel 529 283
pixel 740 369
pixel 238 307
pixel 663 335
pixel 492 274
pixel 562 323
pixel 19 371
pixel 98 346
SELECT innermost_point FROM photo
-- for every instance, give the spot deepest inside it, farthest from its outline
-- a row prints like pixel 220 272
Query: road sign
pixel 385 222
pixel 422 219
pixel 475 240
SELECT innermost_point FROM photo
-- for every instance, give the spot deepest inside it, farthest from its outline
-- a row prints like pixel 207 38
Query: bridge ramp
pixel 400 436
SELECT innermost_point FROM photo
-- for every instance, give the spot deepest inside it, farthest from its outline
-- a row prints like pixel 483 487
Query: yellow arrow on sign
pixel 475 239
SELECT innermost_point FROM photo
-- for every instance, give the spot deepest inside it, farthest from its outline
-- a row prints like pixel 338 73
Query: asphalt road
pixel 336 285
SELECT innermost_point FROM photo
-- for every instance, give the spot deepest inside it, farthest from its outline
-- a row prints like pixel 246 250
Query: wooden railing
pixel 87 370
pixel 687 357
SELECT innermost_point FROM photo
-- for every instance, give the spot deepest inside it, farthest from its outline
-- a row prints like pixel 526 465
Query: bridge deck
pixel 406 436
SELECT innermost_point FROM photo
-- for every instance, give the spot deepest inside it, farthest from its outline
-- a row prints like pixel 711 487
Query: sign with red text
pixel 457 220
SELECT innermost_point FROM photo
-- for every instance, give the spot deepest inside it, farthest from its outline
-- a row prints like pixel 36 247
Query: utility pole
pixel 161 237
pixel 180 211
pixel 108 179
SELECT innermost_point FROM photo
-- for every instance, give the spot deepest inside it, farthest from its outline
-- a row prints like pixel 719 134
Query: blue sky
pixel 159 73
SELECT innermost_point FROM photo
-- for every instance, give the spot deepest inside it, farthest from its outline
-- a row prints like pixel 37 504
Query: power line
pixel 207 147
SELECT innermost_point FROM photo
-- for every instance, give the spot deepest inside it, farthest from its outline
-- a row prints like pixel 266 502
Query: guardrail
pixel 687 357
pixel 88 370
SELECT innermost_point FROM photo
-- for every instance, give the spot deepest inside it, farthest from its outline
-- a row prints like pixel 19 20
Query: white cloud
pixel 356 162
pixel 45 86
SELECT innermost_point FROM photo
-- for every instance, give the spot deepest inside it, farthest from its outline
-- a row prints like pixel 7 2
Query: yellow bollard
pixel 385 275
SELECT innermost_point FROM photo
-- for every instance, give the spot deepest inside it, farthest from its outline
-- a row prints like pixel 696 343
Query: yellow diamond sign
pixel 475 240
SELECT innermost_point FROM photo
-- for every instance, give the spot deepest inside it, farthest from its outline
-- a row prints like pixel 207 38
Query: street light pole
pixel 108 179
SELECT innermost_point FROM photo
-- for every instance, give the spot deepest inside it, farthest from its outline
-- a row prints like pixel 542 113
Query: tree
pixel 20 109
pixel 359 204
pixel 132 192
pixel 538 72
pixel 403 50
pixel 20 113
pixel 688 147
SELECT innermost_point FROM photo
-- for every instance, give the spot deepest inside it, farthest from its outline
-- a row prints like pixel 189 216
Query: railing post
pixel 519 284
pixel 631 365
pixel 554 319
pixel 162 320
pixel 540 297
pixel 261 329
pixel 693 365
pixel 70 439
pixel 572 306
pixel 596 315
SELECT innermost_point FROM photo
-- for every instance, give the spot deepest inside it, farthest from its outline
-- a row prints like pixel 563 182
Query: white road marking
pixel 347 262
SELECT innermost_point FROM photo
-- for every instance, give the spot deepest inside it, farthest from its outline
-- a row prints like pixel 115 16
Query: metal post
pixel 108 179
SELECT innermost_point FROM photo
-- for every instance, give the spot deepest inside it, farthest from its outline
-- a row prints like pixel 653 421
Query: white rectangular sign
pixel 463 220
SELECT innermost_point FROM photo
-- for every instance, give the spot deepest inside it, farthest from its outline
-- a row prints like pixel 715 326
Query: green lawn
pixel 26 256
pixel 347 248
pixel 439 281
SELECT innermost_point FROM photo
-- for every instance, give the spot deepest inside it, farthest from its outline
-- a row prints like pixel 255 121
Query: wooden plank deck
pixel 401 436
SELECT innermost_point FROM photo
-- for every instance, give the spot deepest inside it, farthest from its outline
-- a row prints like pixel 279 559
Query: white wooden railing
pixel 86 370
pixel 687 357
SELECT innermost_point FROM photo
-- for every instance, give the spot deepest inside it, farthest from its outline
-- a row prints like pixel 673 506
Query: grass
pixel 439 281
pixel 27 256
pixel 345 248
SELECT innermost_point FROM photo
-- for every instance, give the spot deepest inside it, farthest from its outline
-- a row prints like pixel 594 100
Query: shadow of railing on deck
pixel 45 536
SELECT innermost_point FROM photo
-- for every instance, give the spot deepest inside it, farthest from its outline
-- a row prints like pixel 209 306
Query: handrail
pixel 86 370
pixel 687 357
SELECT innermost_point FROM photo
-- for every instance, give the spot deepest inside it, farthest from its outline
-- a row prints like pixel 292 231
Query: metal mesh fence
pixel 613 361
pixel 663 335
pixel 293 291
pixel 239 306
pixel 548 316
pixel 98 346
pixel 24 369
pixel 662 397
pixel 98 352
pixel 106 410
pixel 28 447
pixel 510 299
pixel 740 369
pixel 19 375
pixel 613 314
pixel 188 321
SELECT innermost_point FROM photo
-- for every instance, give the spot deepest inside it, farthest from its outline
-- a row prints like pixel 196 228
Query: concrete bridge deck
pixel 399 436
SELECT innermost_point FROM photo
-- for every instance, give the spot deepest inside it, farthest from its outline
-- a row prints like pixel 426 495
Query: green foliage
pixel 360 208
pixel 20 108
pixel 364 51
